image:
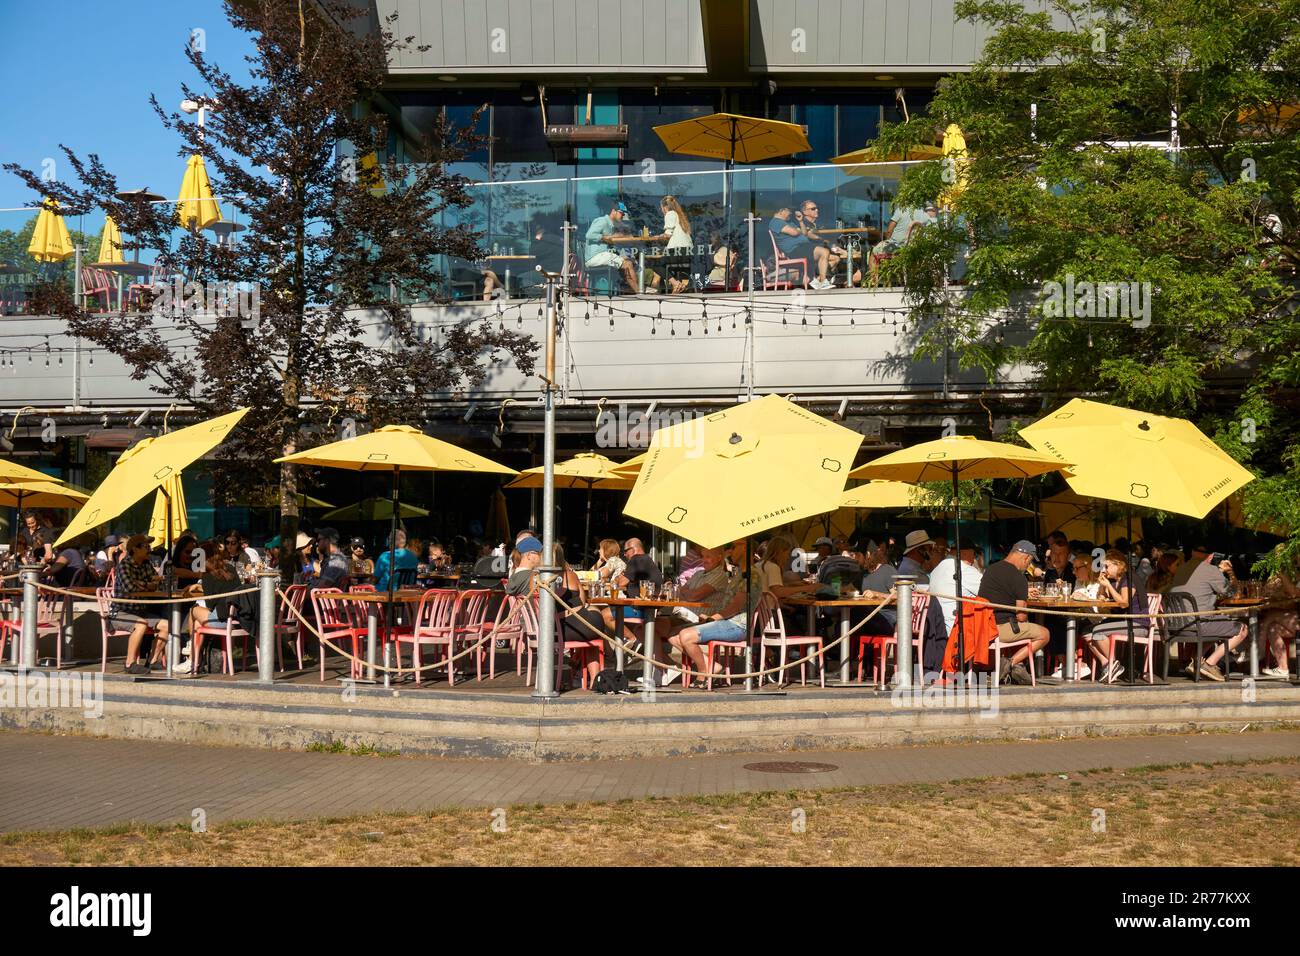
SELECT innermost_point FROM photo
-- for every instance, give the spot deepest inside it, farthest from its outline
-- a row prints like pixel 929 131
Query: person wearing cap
pixel 916 551
pixel 106 557
pixel 1004 583
pixel 824 546
pixel 530 559
pixel 598 253
pixel 135 573
pixel 361 568
pixel 1206 582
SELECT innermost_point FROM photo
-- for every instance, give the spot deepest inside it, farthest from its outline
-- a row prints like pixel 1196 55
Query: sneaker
pixel 157 666
pixel 1210 671
pixel 1004 668
pixel 136 668
pixel 1190 669
pixel 819 284
pixel 1114 672
pixel 1276 673
pixel 670 675
pixel 1019 674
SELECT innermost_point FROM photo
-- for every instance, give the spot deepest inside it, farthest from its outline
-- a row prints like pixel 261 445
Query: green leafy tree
pixel 1056 191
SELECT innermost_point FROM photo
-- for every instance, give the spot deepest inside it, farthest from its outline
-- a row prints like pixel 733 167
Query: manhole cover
pixel 791 766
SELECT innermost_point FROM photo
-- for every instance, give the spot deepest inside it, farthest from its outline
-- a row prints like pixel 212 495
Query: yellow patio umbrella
pixel 733 137
pixel 1151 461
pixel 587 470
pixel 168 502
pixel 50 239
pixel 954 151
pixel 110 243
pixel 882 494
pixel 147 469
pixel 872 161
pixel 196 208
pixel 955 457
pixel 396 448
pixel 1078 518
pixel 12 471
pixel 631 467
pixel 374 509
pixel 752 467
pixel 39 494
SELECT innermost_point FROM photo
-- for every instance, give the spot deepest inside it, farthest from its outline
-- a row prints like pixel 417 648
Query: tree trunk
pixel 289 480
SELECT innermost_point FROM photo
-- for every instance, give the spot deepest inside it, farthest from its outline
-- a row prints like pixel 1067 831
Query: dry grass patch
pixel 1225 814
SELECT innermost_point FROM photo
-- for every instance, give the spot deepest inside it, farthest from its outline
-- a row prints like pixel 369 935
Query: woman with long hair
pixel 676 238
pixel 1166 567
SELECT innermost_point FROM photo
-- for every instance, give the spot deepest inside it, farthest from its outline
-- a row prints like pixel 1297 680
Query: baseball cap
pixel 621 207
pixel 528 544
pixel 1025 547
pixel 111 540
pixel 823 541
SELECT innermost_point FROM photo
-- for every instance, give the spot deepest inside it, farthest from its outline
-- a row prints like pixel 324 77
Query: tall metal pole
pixel 266 582
pixel 546 604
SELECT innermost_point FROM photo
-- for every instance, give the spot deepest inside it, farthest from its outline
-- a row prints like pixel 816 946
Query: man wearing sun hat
pixel 916 549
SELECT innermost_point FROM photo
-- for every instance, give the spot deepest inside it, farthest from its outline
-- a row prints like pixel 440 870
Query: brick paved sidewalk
pixel 55 783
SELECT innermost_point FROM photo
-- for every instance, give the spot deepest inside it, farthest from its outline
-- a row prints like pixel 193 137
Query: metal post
pixel 1252 624
pixel 903 629
pixel 546 605
pixel 31 574
pixel 266 582
pixel 1071 646
pixel 77 292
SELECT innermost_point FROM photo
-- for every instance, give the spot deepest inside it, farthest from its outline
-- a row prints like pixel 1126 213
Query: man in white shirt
pixel 943 580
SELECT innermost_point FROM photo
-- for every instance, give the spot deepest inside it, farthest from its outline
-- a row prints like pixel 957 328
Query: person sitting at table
pixel 943 580
pixel 727 623
pixel 902 226
pixel 1004 583
pixel 304 545
pixel 396 559
pixel 824 254
pixel 599 254
pixel 676 238
pixel 437 557
pixel 1167 566
pixel 1206 583
pixel 1277 625
pixel 334 567
pixel 67 564
pixel 1117 583
pixel 916 554
pixel 638 567
pixel 610 564
pixel 219 578
pixel 135 574
pixel 777 578
pixel 360 568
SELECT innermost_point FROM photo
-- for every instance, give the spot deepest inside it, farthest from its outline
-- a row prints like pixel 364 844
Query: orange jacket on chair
pixel 980 631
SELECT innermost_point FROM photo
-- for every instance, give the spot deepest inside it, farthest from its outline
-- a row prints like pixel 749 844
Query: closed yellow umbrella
pixel 956 165
pixel 733 138
pixel 1122 454
pixel 196 208
pixel 752 467
pixel 50 239
pixel 147 468
pixel 169 500
pixel 110 244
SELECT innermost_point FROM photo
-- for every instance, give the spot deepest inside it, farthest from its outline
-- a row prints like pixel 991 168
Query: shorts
pixel 127 620
pixel 631 614
pixel 608 258
pixel 1214 628
pixel 214 617
pixel 724 630
pixel 1028 631
pixel 885 247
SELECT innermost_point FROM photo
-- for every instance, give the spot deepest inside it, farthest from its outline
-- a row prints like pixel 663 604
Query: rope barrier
pixel 183 599
pixel 1182 616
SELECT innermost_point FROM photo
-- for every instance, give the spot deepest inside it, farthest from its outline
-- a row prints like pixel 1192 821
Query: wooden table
pixel 619 603
pixel 373 601
pixel 1072 623
pixel 845 605
pixel 853 236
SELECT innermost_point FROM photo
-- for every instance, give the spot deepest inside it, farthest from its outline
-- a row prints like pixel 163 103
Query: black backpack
pixel 609 681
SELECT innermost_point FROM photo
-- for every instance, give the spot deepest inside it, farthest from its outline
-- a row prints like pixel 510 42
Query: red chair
pixel 578 281
pixel 97 282
pixel 529 617
pixel 434 624
pixel 287 623
pixel 470 625
pixel 881 257
pixel 505 626
pixel 781 262
pixel 775 636
pixel 136 290
pixel 229 629
pixel 759 618
pixel 881 643
pixel 335 622
pixel 103 597
pixel 49 620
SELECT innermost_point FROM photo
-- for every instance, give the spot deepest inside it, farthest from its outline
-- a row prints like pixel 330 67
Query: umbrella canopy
pixel 881 494
pixel 497 526
pixel 195 208
pixel 963 455
pixel 749 468
pixel 40 494
pixel 50 239
pixel 733 138
pixel 1079 518
pixel 870 161
pixel 110 243
pixel 12 471
pixel 630 468
pixel 954 148
pixel 169 499
pixel 396 447
pixel 1138 458
pixel 584 471
pixel 374 509
pixel 147 469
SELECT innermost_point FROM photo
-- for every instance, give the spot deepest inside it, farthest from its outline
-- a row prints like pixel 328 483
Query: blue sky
pixel 88 87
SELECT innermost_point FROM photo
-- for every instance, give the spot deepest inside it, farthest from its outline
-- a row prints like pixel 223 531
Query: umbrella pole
pixel 1132 587
pixel 961 623
pixel 392 566
pixel 749 681
pixel 586 530
pixel 18 517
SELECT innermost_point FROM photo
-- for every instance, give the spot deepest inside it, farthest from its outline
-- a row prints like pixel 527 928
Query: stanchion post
pixel 31 574
pixel 903 629
pixel 266 582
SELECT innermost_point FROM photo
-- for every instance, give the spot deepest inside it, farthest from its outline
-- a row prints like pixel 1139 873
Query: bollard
pixel 903 631
pixel 31 574
pixel 266 582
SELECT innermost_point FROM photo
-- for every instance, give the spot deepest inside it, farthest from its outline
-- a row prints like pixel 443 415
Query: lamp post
pixel 546 604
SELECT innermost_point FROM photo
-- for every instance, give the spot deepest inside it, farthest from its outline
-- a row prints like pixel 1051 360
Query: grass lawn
pixel 1224 814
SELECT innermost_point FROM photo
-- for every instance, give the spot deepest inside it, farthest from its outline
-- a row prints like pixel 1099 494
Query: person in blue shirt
pixel 405 561
pixel 597 252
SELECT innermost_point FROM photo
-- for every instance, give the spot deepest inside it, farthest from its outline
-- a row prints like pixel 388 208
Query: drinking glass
pixel 647 590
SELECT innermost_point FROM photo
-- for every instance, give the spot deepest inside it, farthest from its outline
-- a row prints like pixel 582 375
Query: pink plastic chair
pixel 96 282
pixel 1141 635
pixel 335 622
pixel 470 623
pixel 434 625
pixel 780 262
pixel 49 620
pixel 775 636
pixel 759 618
pixel 228 630
pixel 529 616
pixel 506 626
pixel 287 624
pixel 882 643
pixel 106 629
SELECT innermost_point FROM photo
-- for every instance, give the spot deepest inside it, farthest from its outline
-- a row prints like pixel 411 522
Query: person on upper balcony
pixel 599 252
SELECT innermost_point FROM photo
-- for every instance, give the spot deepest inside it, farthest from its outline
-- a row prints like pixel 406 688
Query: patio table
pixel 845 605
pixel 619 603
pixel 1072 622
pixel 1251 605
pixel 373 601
